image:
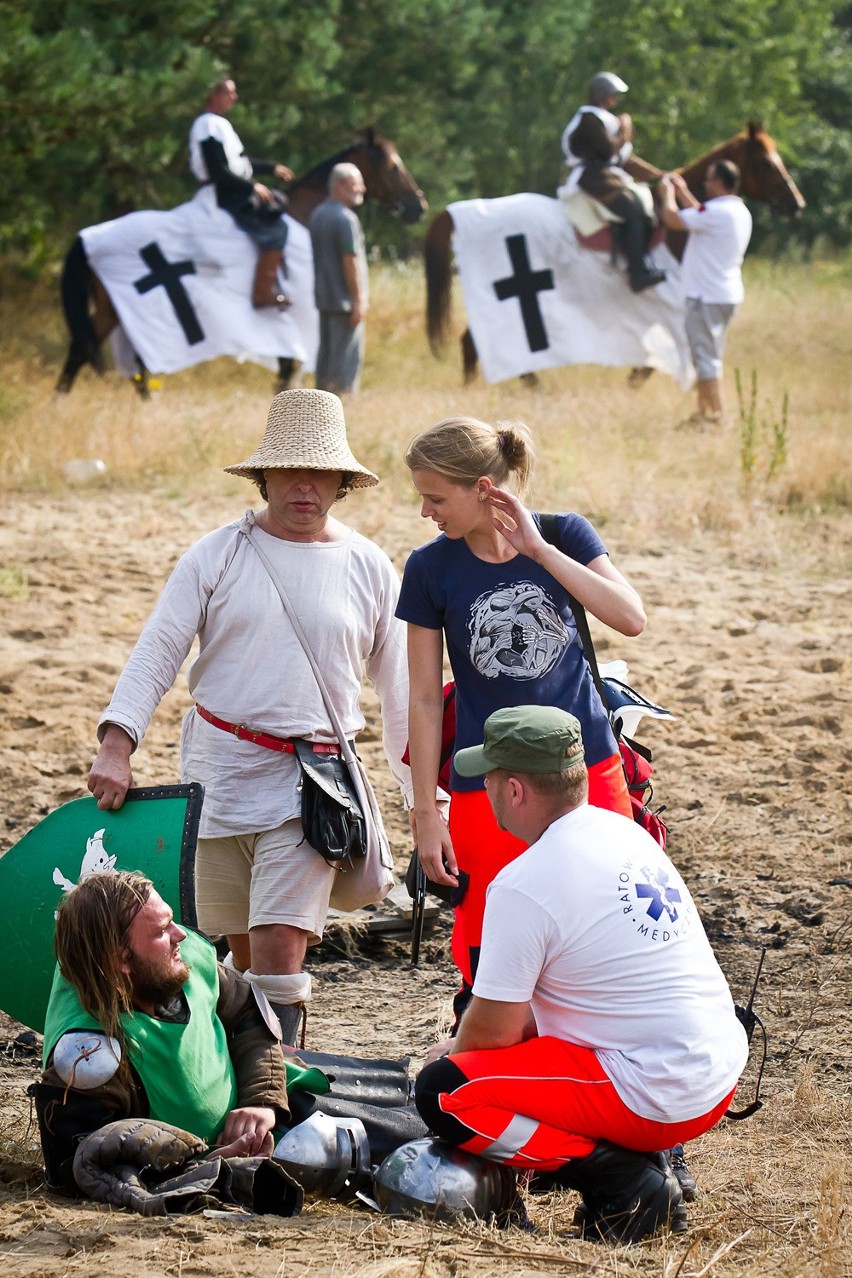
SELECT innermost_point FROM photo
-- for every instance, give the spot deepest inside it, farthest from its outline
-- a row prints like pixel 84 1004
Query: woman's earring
pixel 482 496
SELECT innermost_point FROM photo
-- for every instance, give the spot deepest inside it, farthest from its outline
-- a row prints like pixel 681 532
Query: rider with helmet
pixel 598 146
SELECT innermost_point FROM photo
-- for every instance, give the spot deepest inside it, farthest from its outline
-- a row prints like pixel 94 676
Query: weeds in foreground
pixel 764 437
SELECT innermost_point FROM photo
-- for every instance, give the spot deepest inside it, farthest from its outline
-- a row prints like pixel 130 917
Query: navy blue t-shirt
pixel 510 632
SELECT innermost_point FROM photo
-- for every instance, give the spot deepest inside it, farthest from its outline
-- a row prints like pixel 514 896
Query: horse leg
pixel 78 355
pixel 470 359
pixel 141 379
pixel 637 377
pixel 104 319
pixel 287 367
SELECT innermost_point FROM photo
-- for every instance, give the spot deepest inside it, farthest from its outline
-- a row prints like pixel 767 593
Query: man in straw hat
pixel 601 1026
pixel 257 881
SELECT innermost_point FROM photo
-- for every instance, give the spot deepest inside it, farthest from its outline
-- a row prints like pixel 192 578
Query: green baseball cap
pixel 534 739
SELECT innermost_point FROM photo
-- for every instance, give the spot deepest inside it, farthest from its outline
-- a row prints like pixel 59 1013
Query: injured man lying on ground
pixel 165 1084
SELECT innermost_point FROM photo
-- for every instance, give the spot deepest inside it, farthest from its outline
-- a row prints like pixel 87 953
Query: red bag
pixel 634 758
pixel 637 772
pixel 448 737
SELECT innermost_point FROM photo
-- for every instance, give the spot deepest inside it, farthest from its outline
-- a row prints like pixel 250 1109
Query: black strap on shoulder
pixel 550 532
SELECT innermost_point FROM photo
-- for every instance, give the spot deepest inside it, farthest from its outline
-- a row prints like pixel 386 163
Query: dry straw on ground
pixel 740 547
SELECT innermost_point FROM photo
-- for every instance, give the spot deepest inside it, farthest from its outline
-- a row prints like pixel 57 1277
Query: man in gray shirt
pixel 340 269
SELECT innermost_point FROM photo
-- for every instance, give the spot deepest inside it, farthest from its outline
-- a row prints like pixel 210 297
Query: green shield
pixel 155 833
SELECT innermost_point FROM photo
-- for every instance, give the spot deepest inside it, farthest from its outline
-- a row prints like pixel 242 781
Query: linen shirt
pixel 251 668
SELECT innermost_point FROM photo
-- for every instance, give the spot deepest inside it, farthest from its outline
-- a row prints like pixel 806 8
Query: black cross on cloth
pixel 526 284
pixel 168 275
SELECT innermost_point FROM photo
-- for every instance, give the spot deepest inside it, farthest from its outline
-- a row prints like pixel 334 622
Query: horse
pixel 763 177
pixel 89 312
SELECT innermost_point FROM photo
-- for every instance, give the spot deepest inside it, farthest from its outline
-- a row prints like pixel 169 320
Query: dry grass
pixel 614 451
pixel 775 1191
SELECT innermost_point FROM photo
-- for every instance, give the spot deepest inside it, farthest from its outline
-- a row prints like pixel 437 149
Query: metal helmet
pixel 86 1059
pixel 428 1178
pixel 329 1157
pixel 627 707
pixel 604 84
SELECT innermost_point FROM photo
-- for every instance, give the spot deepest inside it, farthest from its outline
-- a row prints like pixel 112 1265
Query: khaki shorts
pixel 249 880
pixel 706 330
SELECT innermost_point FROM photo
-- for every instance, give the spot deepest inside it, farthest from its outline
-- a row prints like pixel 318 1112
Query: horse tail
pixel 75 294
pixel 85 344
pixel 439 279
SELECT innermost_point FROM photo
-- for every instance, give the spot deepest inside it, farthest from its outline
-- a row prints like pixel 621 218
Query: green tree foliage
pixel 824 143
pixel 698 73
pixel 97 95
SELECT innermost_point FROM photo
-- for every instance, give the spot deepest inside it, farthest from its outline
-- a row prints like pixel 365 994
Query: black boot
pixel 632 237
pixel 683 1176
pixel 626 1196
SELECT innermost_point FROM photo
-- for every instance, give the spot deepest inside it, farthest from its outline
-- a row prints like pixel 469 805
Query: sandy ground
pixel 749 646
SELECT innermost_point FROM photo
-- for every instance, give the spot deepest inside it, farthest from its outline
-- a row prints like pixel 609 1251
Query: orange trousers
pixel 538 1104
pixel 482 849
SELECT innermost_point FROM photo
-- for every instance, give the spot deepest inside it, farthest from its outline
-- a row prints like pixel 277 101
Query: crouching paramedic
pixel 601 1026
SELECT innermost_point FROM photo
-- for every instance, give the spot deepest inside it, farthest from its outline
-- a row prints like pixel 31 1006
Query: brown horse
pixel 763 177
pixel 86 303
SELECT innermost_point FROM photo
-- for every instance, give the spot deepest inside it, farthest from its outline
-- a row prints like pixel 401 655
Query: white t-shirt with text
pixel 594 927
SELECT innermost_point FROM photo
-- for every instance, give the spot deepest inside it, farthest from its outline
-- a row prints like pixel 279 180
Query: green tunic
pixel 186 1069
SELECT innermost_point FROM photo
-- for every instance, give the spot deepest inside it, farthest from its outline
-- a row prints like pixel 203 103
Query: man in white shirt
pixel 719 233
pixel 217 158
pixel 601 1026
pixel 257 880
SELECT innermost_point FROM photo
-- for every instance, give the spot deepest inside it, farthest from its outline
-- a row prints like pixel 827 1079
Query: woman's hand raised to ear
pixel 516 523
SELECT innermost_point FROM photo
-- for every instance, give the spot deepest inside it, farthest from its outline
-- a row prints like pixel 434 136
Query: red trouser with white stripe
pixel 538 1104
pixel 482 849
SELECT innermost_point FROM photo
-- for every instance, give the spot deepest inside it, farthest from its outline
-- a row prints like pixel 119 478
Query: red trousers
pixel 482 849
pixel 538 1104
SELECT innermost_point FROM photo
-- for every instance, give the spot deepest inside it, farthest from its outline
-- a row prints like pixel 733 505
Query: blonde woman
pixel 497 591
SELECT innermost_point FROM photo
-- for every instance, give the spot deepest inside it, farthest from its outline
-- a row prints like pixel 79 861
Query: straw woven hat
pixel 305 430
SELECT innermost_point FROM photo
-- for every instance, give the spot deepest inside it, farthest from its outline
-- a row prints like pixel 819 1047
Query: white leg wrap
pixel 295 988
pixel 228 962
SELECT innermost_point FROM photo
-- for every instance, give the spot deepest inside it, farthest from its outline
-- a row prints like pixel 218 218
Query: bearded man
pixel 144 1023
pixel 155 1054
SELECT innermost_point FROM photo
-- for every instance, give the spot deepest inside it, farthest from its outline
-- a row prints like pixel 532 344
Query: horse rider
pixel 598 145
pixel 217 158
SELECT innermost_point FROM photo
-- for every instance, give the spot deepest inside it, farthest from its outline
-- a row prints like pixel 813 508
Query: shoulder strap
pixel 550 533
pixel 346 752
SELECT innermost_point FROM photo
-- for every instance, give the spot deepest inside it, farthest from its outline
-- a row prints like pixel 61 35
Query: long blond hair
pixel 463 449
pixel 91 942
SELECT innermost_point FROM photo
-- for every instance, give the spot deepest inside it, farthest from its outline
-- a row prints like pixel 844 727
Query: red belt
pixel 265 739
